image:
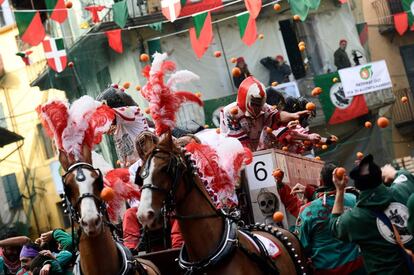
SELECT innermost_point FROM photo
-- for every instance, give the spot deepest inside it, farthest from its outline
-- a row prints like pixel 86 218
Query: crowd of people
pixel 360 230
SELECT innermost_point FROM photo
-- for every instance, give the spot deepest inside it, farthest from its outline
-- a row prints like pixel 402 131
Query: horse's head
pixel 163 170
pixel 83 184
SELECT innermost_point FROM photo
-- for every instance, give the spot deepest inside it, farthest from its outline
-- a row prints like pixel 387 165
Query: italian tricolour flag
pixel 55 54
pixel 336 107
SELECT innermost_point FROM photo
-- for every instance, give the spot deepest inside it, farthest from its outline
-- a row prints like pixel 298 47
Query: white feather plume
pixel 158 58
pixel 182 76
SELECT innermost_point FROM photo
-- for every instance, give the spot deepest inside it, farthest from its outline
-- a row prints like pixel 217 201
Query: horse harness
pixel 129 264
pixel 230 240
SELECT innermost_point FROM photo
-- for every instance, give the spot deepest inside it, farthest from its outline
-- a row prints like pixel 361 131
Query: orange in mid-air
pixel 68 5
pixel 277 7
pixel 383 122
pixel 236 72
pixel 368 124
pixel 144 57
pixel 359 155
pixel 278 216
pixel 310 106
pixel 107 194
pixel 404 99
pixel 217 53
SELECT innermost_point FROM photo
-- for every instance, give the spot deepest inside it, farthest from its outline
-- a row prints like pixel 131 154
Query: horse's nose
pixel 91 224
pixel 146 217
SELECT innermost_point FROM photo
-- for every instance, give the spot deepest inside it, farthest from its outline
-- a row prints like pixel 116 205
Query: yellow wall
pixel 19 101
pixel 387 47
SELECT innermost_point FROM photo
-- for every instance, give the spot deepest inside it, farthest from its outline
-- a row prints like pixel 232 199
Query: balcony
pixel 385 9
pixel 403 113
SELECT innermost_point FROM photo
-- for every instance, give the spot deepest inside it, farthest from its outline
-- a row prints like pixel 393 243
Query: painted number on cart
pixel 259 172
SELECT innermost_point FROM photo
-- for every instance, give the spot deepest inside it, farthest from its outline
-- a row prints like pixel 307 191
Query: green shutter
pixel 12 191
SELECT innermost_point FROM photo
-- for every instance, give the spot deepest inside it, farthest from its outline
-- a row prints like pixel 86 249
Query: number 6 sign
pixel 259 172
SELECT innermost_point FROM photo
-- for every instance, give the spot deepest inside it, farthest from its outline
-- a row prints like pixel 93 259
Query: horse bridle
pixel 75 216
pixel 188 170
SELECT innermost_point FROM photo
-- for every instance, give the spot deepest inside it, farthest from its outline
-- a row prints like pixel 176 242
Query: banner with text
pixel 365 78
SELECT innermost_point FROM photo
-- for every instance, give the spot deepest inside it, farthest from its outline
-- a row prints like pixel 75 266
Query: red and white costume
pixel 238 119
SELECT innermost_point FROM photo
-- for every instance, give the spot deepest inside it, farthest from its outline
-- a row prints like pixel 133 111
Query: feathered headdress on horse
pixel 164 98
pixel 83 123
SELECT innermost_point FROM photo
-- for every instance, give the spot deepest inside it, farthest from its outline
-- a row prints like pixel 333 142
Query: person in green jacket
pixel 328 254
pixel 410 206
pixel 363 224
pixel 341 58
pixel 401 182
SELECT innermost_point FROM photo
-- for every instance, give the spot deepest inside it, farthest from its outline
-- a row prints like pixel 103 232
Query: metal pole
pixel 225 58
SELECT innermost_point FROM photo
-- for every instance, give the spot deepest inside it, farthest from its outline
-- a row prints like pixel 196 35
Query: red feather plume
pixel 54 118
pixel 120 182
pixel 99 123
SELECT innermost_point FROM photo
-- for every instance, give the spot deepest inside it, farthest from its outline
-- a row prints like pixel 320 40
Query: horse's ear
pixel 64 160
pixel 86 154
pixel 166 140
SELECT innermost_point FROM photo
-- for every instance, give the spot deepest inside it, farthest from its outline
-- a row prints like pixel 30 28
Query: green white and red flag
pixel 171 9
pixel 336 107
pixel 30 27
pixel 247 28
pixel 55 54
pixel 57 10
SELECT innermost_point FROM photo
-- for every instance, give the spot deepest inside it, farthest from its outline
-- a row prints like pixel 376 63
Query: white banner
pixel 365 78
pixel 288 89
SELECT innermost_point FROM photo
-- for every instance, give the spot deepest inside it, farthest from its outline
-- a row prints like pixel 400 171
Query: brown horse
pixel 213 244
pixel 99 253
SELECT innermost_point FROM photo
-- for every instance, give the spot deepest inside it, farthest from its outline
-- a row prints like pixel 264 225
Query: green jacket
pixel 312 227
pixel 361 226
pixel 410 205
pixel 61 264
pixel 64 239
pixel 403 186
pixel 341 59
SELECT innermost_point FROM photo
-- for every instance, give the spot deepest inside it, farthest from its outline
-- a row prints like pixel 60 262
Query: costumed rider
pixel 249 116
pixel 128 124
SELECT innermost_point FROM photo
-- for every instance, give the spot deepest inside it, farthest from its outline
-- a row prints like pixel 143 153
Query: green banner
pixel 212 109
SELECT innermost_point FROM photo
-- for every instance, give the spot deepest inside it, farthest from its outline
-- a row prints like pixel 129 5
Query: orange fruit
pixel 218 130
pixel 383 122
pixel 285 148
pixel 277 7
pixel 217 53
pixel 316 91
pixel 359 155
pixel 296 17
pixel 144 57
pixel 335 79
pixel 126 85
pixel 302 48
pixel 277 173
pixel 147 111
pixel 269 130
pixel 68 5
pixel 404 99
pixel 301 43
pixel 261 36
pixel 310 106
pixel 278 216
pixel 233 60
pixel 307 143
pixel 236 72
pixel 275 83
pixel 198 94
pixel 138 87
pixel 317 158
pixel 324 147
pixel 107 194
pixel 340 173
pixel 234 111
pixel 368 124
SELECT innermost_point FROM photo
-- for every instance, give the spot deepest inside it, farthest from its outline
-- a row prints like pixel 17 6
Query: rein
pixel 175 162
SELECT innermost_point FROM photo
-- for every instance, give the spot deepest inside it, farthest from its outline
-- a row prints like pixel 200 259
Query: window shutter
pixel 11 188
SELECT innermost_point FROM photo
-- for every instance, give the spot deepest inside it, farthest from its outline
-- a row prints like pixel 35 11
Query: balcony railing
pixel 385 9
pixel 403 113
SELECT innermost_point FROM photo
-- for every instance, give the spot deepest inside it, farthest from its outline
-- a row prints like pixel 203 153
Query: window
pixel 3 122
pixel 14 198
pixel 45 140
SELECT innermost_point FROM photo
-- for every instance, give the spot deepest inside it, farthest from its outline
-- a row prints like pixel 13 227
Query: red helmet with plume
pixel 164 99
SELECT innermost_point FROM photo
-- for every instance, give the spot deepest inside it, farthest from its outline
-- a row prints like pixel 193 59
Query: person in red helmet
pixel 241 64
pixel 249 116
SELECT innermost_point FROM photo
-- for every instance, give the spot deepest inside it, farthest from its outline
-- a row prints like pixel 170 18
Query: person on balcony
pixel 341 57
pixel 241 64
pixel 279 71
